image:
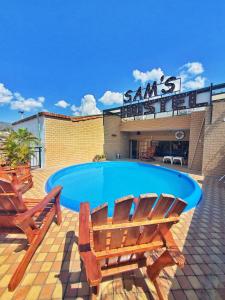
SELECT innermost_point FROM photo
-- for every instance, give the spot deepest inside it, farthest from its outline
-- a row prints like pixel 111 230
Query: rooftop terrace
pixel 56 272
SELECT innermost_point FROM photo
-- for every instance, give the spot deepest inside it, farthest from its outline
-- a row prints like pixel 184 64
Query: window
pixel 173 148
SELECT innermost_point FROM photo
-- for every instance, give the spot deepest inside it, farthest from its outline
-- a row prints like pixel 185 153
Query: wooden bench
pixel 31 217
pixel 110 246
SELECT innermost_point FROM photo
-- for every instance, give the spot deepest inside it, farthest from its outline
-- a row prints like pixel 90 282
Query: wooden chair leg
pixel 58 210
pixel 170 257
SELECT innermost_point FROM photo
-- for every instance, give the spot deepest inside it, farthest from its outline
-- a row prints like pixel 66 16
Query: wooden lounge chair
pixel 110 246
pixel 20 175
pixel 149 154
pixel 31 217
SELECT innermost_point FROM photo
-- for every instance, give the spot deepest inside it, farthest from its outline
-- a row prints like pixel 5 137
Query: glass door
pixel 133 149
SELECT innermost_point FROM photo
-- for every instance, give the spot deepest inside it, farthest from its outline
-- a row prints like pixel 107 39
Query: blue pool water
pixel 103 182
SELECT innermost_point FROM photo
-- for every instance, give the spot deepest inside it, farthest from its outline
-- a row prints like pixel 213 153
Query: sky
pixel 77 57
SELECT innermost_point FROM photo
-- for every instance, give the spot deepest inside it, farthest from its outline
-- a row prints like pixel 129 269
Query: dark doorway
pixel 133 149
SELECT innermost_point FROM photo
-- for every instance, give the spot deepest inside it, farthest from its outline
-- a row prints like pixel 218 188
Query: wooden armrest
pixel 24 177
pixel 41 206
pixel 92 266
pixel 12 172
pixel 84 230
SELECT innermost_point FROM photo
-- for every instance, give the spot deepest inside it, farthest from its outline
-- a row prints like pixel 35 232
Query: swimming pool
pixel 103 182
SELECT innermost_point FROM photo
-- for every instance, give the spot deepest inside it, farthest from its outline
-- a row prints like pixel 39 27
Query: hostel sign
pixel 161 97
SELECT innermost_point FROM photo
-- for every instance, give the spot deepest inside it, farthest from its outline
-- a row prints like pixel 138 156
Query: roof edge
pixel 58 116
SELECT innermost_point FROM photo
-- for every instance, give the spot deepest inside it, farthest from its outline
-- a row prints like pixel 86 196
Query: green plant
pixel 99 157
pixel 19 147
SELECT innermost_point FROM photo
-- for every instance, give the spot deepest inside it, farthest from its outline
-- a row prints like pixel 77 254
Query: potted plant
pixel 99 157
pixel 18 147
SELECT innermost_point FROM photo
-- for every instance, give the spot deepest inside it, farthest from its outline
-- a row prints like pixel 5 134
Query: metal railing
pixel 36 158
pixel 35 161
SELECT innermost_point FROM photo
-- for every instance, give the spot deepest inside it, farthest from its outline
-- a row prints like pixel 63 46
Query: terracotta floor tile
pixel 4 268
pixel 35 267
pixel 21 293
pixel 46 266
pixel 46 291
pixel 52 278
pixel 41 257
pixel 49 277
pixel 56 266
pixel 51 257
pixel 58 291
pixel 28 279
pixel 33 292
pixel 41 278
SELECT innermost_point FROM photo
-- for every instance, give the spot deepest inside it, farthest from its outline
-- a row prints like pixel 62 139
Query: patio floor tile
pixel 56 272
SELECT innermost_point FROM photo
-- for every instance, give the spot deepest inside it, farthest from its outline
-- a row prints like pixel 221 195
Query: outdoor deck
pixel 55 271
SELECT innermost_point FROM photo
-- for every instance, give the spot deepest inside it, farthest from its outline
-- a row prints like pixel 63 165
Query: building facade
pixel 196 134
pixel 65 140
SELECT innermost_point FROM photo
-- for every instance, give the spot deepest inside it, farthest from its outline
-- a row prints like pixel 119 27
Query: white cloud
pixel 194 68
pixel 87 107
pixel 189 74
pixel 190 77
pixel 17 101
pixel 62 103
pixel 20 103
pixel 154 74
pixel 5 94
pixel 196 83
pixel 110 98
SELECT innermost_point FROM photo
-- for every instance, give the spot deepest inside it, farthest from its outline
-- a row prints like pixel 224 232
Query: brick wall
pixel 196 140
pixel 68 142
pixel 115 140
pixel 214 141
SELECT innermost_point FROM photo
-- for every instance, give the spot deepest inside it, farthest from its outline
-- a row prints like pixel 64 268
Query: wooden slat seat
pixel 110 246
pixel 31 217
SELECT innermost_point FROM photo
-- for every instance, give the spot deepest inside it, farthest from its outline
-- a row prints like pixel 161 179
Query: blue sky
pixel 81 55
